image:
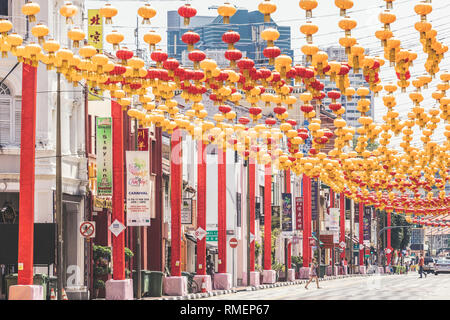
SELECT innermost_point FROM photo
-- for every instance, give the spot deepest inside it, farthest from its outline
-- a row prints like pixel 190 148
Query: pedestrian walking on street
pixel 421 263
pixel 313 274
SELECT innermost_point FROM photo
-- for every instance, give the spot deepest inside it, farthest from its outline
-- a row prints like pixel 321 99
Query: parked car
pixel 442 266
pixel 428 266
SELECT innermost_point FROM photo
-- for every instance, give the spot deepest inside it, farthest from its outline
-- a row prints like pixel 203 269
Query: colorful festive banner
pixel 299 213
pixel 138 188
pixel 104 156
pixel 286 222
pixel 186 211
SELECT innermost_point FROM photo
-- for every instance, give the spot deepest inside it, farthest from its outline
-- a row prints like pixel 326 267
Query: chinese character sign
pixel 314 205
pixel 143 139
pixel 287 211
pixel 104 156
pixel 138 188
pixel 95 29
pixel 299 213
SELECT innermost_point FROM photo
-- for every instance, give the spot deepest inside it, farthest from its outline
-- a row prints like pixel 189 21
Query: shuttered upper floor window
pixel 10 118
pixel 4 7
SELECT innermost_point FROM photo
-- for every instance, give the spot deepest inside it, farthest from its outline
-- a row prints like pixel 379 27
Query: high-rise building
pixel 356 80
pixel 248 24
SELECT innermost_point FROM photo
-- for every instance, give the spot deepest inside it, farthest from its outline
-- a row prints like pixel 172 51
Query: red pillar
pixel 361 233
pixel 306 220
pixel 175 201
pixel 201 207
pixel 342 222
pixel 222 210
pixel 118 191
pixel 268 217
pixel 389 237
pixel 27 175
pixel 287 188
pixel 252 175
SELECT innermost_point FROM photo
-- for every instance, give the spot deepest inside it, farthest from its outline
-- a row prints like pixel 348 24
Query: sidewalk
pixel 193 296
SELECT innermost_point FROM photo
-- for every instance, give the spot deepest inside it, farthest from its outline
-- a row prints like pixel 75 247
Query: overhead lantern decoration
pixel 40 31
pixel 68 10
pixel 76 35
pixel 108 12
pixel 308 6
pixel 267 8
pixel 115 38
pixel 146 12
pixel 226 11
pixel 31 9
pixel 5 27
pixel 152 39
pixel 343 5
pixel 190 38
pixel 187 12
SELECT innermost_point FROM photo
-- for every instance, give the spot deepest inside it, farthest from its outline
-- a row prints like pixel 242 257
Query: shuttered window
pixel 10 118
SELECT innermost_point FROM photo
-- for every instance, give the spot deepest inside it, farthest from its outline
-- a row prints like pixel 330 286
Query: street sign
pixel 116 227
pixel 361 247
pixel 252 237
pixel 233 242
pixel 212 235
pixel 200 233
pixel 388 250
pixel 312 242
pixel 87 229
pixel 342 244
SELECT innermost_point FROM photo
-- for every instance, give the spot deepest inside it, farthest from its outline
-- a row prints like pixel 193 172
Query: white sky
pixel 326 16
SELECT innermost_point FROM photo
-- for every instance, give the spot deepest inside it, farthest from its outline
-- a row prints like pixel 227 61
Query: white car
pixel 442 266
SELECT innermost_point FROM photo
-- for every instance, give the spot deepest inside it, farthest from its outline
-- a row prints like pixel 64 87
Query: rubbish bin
pixel 52 284
pixel 144 282
pixel 156 283
pixel 322 270
pixel 38 279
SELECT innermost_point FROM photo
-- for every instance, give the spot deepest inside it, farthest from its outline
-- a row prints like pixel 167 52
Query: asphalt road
pixel 377 287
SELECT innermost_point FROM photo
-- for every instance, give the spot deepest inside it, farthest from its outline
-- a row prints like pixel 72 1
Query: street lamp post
pixel 58 196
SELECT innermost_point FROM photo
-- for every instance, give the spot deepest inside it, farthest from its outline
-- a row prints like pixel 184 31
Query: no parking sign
pixel 87 229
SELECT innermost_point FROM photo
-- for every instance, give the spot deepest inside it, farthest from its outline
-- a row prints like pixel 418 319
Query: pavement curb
pixel 194 296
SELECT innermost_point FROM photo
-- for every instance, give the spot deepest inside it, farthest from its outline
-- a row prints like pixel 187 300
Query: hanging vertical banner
pixel 367 222
pixel 104 156
pixel 138 188
pixel 95 39
pixel 143 139
pixel 356 218
pixel 333 220
pixel 314 205
pixel 299 213
pixel 286 222
pixel 186 211
pixel 95 29
pixel 276 216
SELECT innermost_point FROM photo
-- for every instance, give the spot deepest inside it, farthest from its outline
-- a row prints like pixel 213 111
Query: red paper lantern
pixel 233 55
pixel 231 37
pixel 197 56
pixel 270 121
pixel 187 12
pixel 245 64
pixel 279 110
pixel 255 111
pixel 334 95
pixel 190 38
pixel 224 109
pixel 171 64
pixel 244 121
pixel 124 55
pixel 159 56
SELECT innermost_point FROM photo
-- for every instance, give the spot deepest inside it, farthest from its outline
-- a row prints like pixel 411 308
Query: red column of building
pixel 222 210
pixel 342 222
pixel 389 237
pixel 201 207
pixel 27 175
pixel 118 191
pixel 252 174
pixel 268 217
pixel 361 233
pixel 306 220
pixel 175 201
pixel 287 187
